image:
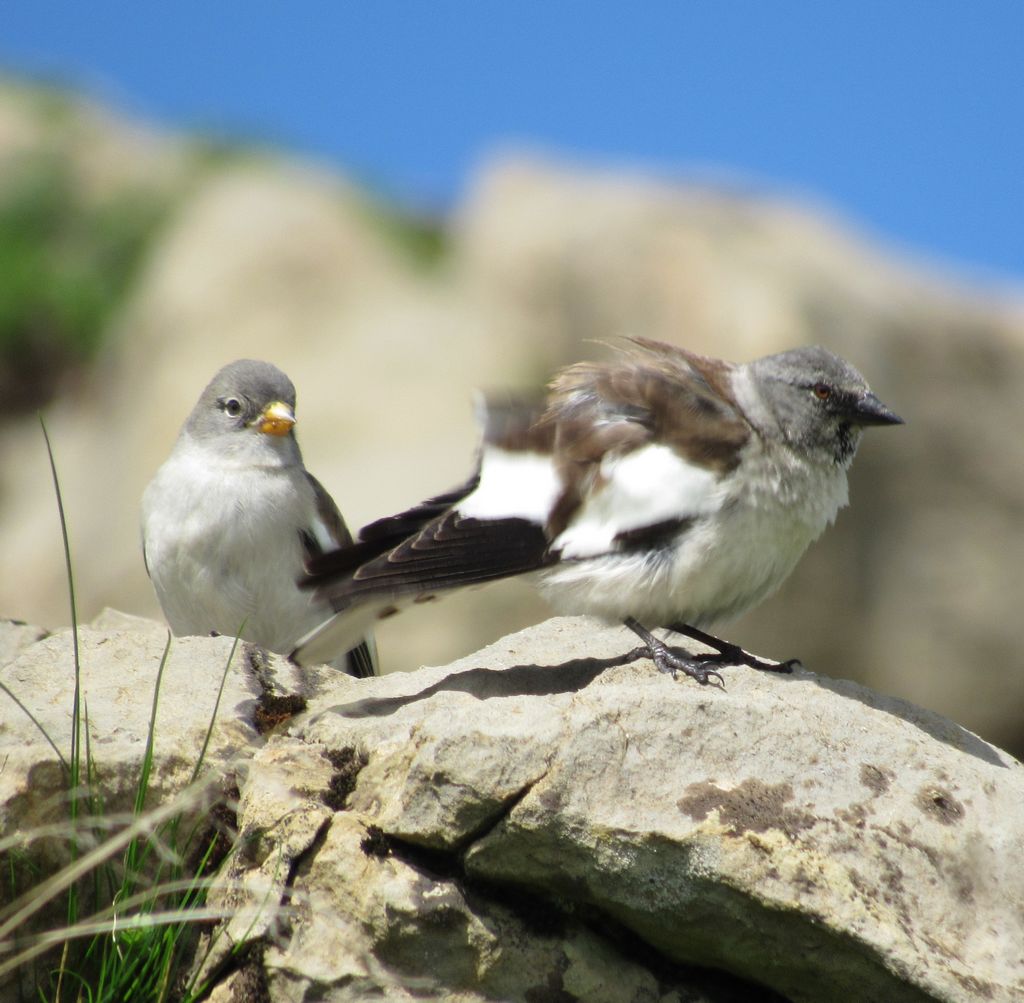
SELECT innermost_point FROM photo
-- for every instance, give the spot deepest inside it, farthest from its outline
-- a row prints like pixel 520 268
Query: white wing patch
pixel 520 485
pixel 641 488
pixel 322 534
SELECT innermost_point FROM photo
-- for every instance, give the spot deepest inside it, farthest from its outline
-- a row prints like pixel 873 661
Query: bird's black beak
pixel 869 410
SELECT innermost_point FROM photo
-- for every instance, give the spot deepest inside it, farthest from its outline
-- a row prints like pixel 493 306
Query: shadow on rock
pixel 486 684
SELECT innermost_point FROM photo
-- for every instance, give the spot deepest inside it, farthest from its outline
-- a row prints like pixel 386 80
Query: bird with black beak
pixel 659 489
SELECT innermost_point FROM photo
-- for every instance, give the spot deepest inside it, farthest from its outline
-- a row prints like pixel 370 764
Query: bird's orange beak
pixel 277 418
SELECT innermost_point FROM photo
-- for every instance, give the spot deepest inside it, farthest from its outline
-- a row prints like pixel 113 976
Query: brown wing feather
pixel 656 393
pixel 653 393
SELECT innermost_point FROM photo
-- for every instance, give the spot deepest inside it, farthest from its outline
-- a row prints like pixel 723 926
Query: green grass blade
pixel 213 716
pixel 75 732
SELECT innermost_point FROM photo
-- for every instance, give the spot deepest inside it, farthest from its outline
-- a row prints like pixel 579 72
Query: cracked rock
pixel 543 820
pixel 361 923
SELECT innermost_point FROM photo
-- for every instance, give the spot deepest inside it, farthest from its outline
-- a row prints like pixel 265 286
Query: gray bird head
pixel 247 411
pixel 817 401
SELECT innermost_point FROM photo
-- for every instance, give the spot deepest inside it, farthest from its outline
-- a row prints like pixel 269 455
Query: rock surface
pixel 549 820
pixel 120 659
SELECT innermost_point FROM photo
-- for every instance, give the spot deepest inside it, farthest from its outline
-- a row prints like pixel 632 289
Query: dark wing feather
pixel 450 552
pixel 336 564
pixel 658 536
pixel 329 515
pixel 512 422
pixel 507 423
pixel 380 536
pixel 393 528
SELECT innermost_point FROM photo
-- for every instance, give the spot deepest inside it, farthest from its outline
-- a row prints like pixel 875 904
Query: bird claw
pixel 668 661
pixel 695 668
pixel 727 653
pixel 700 667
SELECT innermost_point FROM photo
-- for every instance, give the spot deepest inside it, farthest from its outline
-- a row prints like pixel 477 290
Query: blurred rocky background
pixel 134 263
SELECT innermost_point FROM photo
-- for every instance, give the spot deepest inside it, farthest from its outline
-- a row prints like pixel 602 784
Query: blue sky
pixel 906 116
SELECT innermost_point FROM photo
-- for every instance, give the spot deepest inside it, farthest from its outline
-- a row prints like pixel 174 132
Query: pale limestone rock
pixel 547 819
pixel 794 832
pixel 120 658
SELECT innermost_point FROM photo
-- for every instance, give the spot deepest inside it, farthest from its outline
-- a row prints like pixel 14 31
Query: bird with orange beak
pixel 232 518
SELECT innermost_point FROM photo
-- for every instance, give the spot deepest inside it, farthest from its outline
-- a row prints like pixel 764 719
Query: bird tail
pixel 345 631
pixel 361 661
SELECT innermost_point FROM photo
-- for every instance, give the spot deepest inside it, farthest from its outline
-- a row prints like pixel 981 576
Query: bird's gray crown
pixel 253 384
pixel 234 398
pixel 808 366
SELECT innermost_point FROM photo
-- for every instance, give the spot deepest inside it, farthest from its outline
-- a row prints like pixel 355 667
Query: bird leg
pixel 732 654
pixel 669 661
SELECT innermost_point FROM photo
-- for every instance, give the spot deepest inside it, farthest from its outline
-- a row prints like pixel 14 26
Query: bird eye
pixel 232 407
pixel 822 391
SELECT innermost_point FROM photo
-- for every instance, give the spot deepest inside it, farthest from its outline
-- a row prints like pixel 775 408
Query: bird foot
pixel 672 662
pixel 703 668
